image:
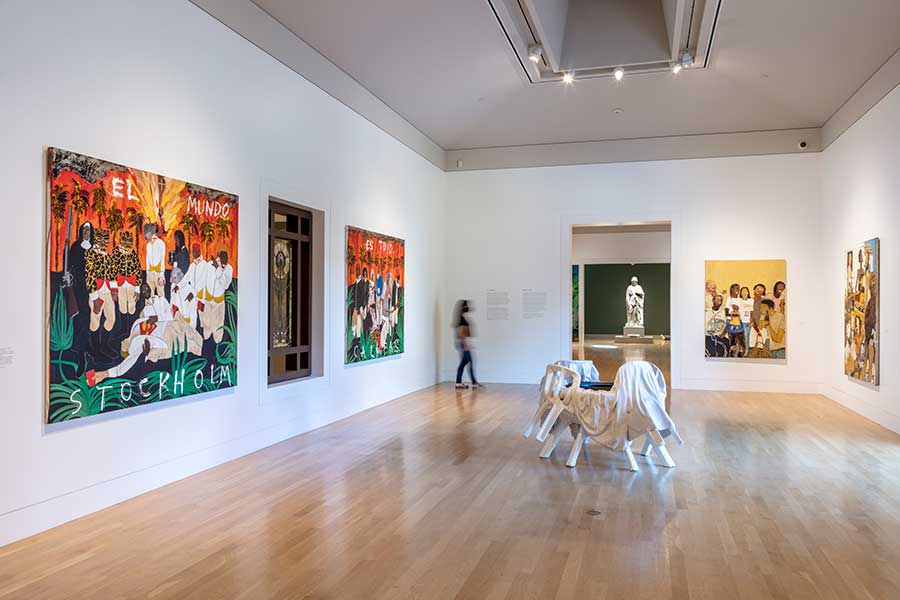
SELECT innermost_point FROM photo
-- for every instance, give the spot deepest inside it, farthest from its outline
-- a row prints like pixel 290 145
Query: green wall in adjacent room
pixel 604 297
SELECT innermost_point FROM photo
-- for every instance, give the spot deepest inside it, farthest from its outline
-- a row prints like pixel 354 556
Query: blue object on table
pixel 597 385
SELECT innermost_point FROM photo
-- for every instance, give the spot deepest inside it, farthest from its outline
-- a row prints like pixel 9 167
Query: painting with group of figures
pixel 142 287
pixel 861 326
pixel 746 309
pixel 375 296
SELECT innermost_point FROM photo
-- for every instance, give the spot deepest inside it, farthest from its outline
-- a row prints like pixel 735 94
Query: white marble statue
pixel 634 304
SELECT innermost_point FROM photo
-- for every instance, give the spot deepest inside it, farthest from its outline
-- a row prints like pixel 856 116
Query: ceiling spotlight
pixel 686 59
pixel 676 68
pixel 619 73
pixel 568 78
pixel 534 53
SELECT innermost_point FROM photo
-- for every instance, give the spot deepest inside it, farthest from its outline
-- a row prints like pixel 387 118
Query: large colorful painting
pixel 142 287
pixel 375 296
pixel 861 326
pixel 746 309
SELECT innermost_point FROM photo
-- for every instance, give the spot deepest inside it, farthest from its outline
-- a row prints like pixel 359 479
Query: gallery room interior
pixel 473 299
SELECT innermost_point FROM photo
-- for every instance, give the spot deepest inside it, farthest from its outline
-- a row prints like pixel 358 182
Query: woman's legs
pixel 471 368
pixel 464 359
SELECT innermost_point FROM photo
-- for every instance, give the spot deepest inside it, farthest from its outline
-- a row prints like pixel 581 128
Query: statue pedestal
pixel 633 330
pixel 633 334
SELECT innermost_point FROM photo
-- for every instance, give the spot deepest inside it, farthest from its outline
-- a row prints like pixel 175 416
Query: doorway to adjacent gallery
pixel 605 259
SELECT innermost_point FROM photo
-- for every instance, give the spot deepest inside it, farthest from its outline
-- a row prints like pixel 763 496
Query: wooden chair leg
pixel 551 442
pixel 550 421
pixel 577 445
pixel 632 463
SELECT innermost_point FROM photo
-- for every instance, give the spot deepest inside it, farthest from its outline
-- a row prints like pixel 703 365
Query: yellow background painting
pixel 750 328
pixel 745 272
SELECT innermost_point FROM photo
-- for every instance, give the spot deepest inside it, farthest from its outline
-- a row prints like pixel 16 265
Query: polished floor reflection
pixel 608 356
pixel 437 495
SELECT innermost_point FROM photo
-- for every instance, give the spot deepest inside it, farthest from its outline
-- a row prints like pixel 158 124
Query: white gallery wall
pixel 861 200
pixel 622 248
pixel 164 87
pixel 512 232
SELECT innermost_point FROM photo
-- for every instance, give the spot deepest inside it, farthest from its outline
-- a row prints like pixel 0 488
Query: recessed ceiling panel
pixel 612 33
pixel 449 68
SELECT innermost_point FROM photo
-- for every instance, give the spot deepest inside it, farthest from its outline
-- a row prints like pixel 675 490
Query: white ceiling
pixel 448 68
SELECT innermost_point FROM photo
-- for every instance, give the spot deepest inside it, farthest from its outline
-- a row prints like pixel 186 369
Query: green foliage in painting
pixel 187 375
pixel 60 325
pixel 368 347
pixel 226 350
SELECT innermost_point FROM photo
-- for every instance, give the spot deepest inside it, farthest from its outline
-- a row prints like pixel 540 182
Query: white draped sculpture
pixel 634 304
pixel 635 407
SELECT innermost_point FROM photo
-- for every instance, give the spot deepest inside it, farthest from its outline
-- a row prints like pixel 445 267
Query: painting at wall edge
pixel 375 302
pixel 141 289
pixel 862 313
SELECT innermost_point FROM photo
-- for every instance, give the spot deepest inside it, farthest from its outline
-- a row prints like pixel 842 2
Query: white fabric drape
pixel 585 368
pixel 634 406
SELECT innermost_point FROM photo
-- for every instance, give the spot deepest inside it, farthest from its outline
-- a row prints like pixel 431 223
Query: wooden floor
pixel 608 356
pixel 437 495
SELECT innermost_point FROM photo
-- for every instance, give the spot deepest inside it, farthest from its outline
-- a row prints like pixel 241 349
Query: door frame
pixel 620 215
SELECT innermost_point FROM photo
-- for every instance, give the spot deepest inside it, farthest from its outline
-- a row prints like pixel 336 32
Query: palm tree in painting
pixel 58 199
pixel 135 219
pixel 207 234
pixel 223 227
pixel 98 202
pixel 190 224
pixel 79 202
pixel 115 220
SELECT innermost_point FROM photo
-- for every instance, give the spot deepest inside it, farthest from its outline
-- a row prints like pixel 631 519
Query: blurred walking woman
pixel 463 333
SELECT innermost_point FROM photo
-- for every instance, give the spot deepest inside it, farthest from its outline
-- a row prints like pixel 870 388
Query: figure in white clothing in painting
pixel 183 300
pixel 196 277
pixel 156 260
pixel 219 276
pixel 634 304
pixel 160 329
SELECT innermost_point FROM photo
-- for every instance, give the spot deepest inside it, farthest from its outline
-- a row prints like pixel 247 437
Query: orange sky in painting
pixel 378 247
pixel 206 206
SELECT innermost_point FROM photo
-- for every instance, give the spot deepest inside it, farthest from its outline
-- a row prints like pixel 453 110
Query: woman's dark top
pixel 460 323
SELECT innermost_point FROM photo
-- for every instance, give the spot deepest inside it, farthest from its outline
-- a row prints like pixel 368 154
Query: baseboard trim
pixel 861 407
pixel 750 385
pixel 40 516
pixel 716 385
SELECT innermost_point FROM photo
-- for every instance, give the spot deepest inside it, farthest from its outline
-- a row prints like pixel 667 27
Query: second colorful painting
pixel 376 281
pixel 746 309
